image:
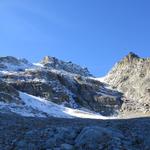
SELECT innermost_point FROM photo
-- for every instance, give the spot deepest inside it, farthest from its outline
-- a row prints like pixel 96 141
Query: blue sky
pixel 92 33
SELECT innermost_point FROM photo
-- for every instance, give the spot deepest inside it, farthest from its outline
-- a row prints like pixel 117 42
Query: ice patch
pixel 101 79
pixel 38 65
pixel 38 107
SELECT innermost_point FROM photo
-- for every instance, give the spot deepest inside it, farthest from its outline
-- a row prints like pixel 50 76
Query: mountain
pixel 131 76
pixel 60 82
pixel 58 105
pixel 125 89
pixel 52 62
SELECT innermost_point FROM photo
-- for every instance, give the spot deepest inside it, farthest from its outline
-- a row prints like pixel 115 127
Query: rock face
pixel 132 77
pixel 8 94
pixel 62 83
pixel 75 92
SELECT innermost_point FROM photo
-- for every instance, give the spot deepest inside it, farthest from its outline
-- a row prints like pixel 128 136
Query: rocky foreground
pixel 20 133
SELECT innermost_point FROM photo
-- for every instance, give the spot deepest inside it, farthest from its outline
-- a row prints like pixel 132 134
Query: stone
pixel 66 147
pixel 96 137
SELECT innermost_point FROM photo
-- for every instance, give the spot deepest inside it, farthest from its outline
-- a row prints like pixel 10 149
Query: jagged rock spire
pixel 132 55
pixel 48 59
pixel 130 58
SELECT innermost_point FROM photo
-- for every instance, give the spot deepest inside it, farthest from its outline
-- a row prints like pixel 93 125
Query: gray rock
pixel 51 143
pixel 23 145
pixel 66 147
pixel 98 138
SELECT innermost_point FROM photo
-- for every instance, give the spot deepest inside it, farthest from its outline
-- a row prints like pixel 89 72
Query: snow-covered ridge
pixel 11 64
pixel 101 79
pixel 66 66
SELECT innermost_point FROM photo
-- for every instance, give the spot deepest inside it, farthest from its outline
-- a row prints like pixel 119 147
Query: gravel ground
pixel 21 133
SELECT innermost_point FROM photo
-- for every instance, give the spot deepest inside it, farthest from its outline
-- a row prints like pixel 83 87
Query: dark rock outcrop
pixel 8 94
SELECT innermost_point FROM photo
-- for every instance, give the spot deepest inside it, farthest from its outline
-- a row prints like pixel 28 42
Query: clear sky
pixel 92 33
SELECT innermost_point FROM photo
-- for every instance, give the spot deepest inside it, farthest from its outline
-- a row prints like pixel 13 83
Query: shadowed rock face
pixel 73 91
pixel 132 77
pixel 8 94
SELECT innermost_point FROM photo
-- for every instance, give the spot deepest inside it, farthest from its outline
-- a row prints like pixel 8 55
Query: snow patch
pixel 12 67
pixel 38 107
pixel 38 65
pixel 101 79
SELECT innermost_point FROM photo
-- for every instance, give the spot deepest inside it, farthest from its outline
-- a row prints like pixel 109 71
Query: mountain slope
pixel 62 83
pixel 132 77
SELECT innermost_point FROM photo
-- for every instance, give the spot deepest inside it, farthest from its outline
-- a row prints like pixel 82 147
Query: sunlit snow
pixel 52 109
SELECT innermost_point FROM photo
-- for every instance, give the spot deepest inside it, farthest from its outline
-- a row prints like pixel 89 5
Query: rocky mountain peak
pixel 52 62
pixel 130 58
pixel 48 59
pixel 132 55
pixel 131 76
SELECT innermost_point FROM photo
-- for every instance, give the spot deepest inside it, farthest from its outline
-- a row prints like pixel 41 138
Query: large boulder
pixel 100 138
